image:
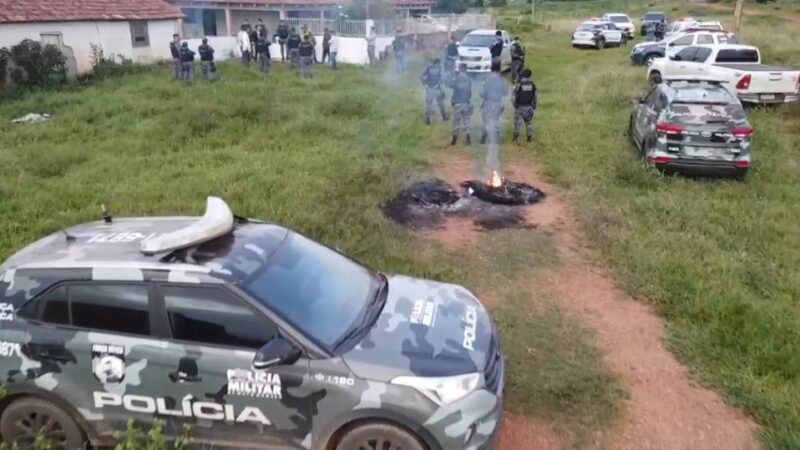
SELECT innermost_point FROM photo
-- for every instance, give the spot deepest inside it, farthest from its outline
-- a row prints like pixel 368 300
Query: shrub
pixel 111 66
pixel 5 57
pixel 37 66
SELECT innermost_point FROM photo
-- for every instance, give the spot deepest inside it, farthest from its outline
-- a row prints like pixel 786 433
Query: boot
pixel 455 138
pixel 469 140
pixel 530 138
pixel 483 137
pixel 514 137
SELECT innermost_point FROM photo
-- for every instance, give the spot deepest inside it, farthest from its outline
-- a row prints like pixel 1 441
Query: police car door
pixel 214 335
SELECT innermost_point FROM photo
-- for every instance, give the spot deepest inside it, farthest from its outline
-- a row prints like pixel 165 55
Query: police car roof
pixel 486 31
pixel 118 245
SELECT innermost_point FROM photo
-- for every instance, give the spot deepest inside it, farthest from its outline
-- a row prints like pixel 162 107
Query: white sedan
pixel 597 34
pixel 622 21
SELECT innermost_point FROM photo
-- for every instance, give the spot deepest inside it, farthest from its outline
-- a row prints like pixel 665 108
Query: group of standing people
pixel 183 59
pixel 493 92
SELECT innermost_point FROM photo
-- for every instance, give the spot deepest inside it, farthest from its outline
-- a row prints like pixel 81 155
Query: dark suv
pixel 689 125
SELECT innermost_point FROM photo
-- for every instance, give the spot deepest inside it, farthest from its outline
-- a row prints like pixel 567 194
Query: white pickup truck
pixel 737 66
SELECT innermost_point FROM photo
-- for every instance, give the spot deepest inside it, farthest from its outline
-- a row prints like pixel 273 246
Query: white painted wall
pixel 351 50
pixel 113 37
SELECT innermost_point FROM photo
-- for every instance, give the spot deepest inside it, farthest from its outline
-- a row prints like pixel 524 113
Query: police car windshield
pixel 319 291
pixel 619 19
pixel 478 40
pixel 653 16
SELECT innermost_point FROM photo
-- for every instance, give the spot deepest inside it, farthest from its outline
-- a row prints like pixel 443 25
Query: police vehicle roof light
pixel 217 221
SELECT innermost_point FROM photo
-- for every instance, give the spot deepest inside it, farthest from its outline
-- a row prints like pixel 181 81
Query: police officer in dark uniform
pixel 207 60
pixel 432 80
pixel 175 51
pixel 187 62
pixel 293 45
pixel 306 54
pixel 450 57
pixel 525 99
pixel 399 47
pixel 462 104
pixel 517 59
pixel 496 50
pixel 283 34
pixel 262 50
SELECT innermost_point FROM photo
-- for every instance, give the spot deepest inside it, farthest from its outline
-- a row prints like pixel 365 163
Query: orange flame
pixel 496 181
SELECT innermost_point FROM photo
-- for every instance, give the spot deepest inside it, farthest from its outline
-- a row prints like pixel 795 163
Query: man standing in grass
pixel 207 60
pixel 493 92
pixel 334 43
pixel 175 51
pixel 450 57
pixel 187 62
pixel 283 34
pixel 306 52
pixel 293 45
pixel 462 107
pixel 525 100
pixel 496 50
pixel 517 59
pixel 432 80
pixel 245 46
pixel 371 37
pixel 326 44
pixel 399 47
pixel 262 50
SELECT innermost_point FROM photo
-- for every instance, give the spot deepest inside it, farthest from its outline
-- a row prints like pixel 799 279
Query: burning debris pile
pixel 492 204
pixel 503 192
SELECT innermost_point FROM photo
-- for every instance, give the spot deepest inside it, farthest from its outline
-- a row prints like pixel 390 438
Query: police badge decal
pixel 108 363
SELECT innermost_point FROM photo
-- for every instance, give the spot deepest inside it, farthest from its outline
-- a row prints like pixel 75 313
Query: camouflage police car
pixel 255 335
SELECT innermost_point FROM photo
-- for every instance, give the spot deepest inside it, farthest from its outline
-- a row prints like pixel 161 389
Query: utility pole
pixel 738 14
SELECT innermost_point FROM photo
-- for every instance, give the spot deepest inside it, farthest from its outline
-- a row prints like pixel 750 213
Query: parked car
pixel 474 51
pixel 737 66
pixel 692 126
pixel 267 338
pixel 597 34
pixel 622 21
pixel 644 52
pixel 649 20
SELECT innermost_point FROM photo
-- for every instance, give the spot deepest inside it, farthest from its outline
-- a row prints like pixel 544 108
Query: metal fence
pixel 413 25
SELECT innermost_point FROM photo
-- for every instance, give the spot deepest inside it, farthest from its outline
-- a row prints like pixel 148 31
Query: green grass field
pixel 717 257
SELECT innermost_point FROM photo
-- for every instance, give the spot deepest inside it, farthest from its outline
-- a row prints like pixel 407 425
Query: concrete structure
pixel 138 30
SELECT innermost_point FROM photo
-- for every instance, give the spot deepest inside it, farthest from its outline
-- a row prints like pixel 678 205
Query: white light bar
pixel 217 221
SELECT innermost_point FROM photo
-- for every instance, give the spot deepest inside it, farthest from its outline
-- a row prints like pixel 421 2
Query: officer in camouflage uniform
pixel 432 80
pixel 493 92
pixel 525 100
pixel 517 59
pixel 462 107
pixel 175 51
pixel 187 62
pixel 306 54
pixel 450 57
pixel 207 60
pixel 262 50
pixel 293 46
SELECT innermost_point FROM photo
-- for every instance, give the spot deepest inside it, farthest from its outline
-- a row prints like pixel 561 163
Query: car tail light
pixel 660 160
pixel 742 164
pixel 669 129
pixel 744 83
pixel 742 132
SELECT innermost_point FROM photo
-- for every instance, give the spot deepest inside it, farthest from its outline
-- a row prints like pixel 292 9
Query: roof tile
pixel 81 10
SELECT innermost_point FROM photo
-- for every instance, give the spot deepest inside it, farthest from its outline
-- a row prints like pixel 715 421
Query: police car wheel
pixel 600 44
pixel 379 436
pixel 27 418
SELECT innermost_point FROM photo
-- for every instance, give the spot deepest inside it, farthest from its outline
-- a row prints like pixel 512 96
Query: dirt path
pixel 666 409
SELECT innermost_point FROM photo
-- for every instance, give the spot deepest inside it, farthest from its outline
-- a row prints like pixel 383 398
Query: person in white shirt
pixel 334 48
pixel 245 47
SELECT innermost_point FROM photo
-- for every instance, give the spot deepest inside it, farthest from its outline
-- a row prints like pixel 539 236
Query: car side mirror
pixel 675 58
pixel 276 352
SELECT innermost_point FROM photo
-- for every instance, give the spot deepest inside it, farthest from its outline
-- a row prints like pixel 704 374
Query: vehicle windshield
pixel 588 26
pixel 318 290
pixel 478 40
pixel 619 19
pixel 653 16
